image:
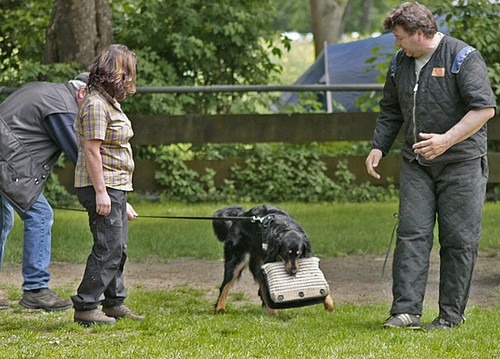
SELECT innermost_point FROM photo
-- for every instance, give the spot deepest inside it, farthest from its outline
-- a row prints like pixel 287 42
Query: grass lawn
pixel 334 230
pixel 180 322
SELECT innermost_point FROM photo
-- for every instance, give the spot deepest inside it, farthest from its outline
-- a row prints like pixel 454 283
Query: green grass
pixel 180 324
pixel 334 229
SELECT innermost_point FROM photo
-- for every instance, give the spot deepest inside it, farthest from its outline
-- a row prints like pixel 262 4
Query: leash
pixel 253 219
pixel 395 215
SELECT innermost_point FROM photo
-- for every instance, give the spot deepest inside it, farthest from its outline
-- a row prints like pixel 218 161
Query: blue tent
pixel 347 64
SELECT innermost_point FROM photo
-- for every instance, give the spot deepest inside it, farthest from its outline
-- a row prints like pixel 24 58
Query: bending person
pixel 36 123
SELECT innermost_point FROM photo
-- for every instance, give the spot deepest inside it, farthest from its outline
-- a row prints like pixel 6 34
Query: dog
pixel 272 236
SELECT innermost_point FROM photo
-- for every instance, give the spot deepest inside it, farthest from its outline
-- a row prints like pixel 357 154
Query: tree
pixel 22 30
pixel 327 22
pixel 293 15
pixel 476 22
pixel 202 42
pixel 78 30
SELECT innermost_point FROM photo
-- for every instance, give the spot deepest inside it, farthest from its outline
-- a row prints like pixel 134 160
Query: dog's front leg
pixel 328 303
pixel 263 296
pixel 220 306
pixel 272 312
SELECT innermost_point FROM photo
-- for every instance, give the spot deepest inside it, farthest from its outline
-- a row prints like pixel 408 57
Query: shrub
pixel 269 175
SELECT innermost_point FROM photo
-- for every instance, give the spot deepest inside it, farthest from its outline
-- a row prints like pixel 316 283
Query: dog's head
pixel 289 247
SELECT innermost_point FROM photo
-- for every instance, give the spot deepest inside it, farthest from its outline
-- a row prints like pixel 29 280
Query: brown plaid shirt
pixel 100 118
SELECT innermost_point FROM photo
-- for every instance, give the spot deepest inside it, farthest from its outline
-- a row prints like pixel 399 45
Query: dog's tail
pixel 222 227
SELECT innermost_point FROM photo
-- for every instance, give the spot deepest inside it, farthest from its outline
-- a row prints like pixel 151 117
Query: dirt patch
pixel 352 279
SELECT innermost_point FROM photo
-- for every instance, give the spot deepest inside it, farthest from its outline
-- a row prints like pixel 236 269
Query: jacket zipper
pixel 414 110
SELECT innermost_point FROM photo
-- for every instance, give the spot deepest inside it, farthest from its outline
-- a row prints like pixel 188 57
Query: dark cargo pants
pixel 102 281
pixel 453 193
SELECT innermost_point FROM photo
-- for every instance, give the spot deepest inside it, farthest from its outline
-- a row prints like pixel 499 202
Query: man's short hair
pixel 412 16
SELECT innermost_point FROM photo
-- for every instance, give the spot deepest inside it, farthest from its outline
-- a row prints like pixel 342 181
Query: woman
pixel 103 176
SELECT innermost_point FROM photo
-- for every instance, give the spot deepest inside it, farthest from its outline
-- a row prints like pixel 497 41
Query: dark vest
pixel 27 153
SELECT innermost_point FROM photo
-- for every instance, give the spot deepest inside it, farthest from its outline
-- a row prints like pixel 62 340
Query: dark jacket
pixel 28 152
pixel 453 82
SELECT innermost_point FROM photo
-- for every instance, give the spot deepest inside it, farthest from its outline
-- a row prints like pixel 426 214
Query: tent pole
pixel 329 105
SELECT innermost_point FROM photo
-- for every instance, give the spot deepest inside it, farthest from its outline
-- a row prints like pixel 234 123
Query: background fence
pixel 253 128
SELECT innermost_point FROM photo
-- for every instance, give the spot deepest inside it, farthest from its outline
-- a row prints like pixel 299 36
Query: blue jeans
pixel 6 224
pixel 38 222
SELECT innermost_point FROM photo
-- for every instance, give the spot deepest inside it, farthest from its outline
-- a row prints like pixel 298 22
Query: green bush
pixel 267 175
pixel 476 22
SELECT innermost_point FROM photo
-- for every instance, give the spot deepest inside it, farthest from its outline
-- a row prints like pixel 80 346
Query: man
pixel 438 87
pixel 36 124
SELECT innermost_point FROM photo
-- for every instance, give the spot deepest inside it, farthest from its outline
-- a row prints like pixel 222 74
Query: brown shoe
pixel 121 311
pixel 4 304
pixel 45 299
pixel 90 317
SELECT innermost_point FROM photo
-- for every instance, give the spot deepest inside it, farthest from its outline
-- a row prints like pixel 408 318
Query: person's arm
pixel 92 153
pixel 387 127
pixel 59 126
pixel 434 145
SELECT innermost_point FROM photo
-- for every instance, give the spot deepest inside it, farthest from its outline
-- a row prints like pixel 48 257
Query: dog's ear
pixel 306 248
pixel 273 250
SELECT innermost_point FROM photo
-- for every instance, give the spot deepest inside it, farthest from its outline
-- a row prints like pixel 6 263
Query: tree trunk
pixel 78 30
pixel 366 19
pixel 326 16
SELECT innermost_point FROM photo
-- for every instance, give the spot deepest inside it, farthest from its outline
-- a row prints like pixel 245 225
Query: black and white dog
pixel 276 237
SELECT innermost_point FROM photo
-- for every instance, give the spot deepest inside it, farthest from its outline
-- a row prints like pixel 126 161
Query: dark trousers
pixel 102 281
pixel 454 194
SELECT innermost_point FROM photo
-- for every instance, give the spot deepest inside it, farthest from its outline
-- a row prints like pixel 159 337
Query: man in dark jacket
pixel 36 125
pixel 438 88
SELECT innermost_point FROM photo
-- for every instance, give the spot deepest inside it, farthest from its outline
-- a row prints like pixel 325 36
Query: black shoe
pixel 441 324
pixel 4 304
pixel 404 320
pixel 44 299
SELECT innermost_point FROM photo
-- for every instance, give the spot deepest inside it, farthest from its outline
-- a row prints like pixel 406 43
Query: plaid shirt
pixel 100 118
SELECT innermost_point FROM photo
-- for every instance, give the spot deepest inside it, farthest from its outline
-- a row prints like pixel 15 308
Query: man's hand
pixel 372 162
pixel 432 145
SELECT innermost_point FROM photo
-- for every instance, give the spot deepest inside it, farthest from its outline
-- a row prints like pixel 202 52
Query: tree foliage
pixel 199 43
pixel 23 24
pixel 477 23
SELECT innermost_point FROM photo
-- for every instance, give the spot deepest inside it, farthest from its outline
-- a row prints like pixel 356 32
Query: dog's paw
pixel 272 312
pixel 328 303
pixel 220 310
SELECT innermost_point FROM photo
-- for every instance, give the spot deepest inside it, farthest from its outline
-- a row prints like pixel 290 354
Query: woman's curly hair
pixel 114 71
pixel 412 16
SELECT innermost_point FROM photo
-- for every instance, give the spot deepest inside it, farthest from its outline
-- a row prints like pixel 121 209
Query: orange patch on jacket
pixel 438 72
